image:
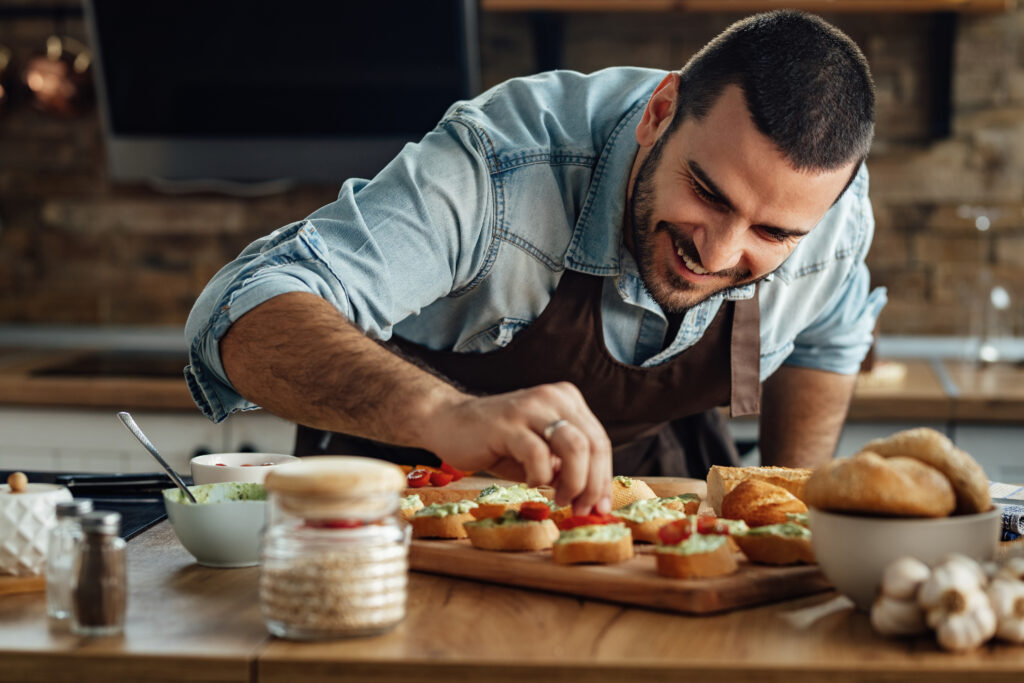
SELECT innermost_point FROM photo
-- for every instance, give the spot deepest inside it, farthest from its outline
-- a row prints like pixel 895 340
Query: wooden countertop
pixel 190 623
pixel 927 390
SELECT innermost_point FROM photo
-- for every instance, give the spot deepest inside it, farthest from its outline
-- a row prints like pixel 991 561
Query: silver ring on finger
pixel 550 430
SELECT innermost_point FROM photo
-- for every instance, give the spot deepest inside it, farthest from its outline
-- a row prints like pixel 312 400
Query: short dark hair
pixel 806 83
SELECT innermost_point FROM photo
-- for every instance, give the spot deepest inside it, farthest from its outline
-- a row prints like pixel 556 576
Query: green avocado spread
pixel 593 533
pixel 697 544
pixel 220 492
pixel 788 530
pixel 411 502
pixel 509 518
pixel 512 494
pixel 458 507
pixel 799 518
pixel 625 481
pixel 647 510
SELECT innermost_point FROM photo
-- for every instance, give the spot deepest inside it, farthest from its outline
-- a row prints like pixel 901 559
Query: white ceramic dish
pixel 253 467
pixel 25 521
pixel 854 550
pixel 224 528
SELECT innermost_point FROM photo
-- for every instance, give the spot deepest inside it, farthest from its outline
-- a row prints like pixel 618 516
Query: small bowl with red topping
pixel 246 467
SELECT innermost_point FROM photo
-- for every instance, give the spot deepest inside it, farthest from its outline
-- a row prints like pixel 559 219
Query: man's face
pixel 716 204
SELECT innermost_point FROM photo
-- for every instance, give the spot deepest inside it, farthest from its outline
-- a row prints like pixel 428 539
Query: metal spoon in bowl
pixel 126 418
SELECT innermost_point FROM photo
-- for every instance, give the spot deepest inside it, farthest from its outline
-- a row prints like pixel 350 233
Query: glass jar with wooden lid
pixel 335 552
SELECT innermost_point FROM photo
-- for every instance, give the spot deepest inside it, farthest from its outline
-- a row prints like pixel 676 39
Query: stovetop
pixel 136 496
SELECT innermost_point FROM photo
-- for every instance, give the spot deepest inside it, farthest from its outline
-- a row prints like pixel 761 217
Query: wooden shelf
pixel 888 6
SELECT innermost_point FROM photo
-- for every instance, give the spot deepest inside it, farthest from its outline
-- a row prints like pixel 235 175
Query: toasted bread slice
pixel 520 535
pixel 721 480
pixel 589 550
pixel 774 549
pixel 718 562
pixel 626 490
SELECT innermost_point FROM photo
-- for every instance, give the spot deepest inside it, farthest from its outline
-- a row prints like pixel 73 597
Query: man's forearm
pixel 802 415
pixel 298 358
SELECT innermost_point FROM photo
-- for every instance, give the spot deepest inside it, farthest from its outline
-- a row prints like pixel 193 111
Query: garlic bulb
pixel 897 617
pixel 956 606
pixel 1007 598
pixel 903 577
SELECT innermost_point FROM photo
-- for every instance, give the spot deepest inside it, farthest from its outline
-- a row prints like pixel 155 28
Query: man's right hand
pixel 298 358
pixel 504 434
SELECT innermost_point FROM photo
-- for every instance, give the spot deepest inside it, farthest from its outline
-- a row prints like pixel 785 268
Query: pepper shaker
pixel 99 589
pixel 61 547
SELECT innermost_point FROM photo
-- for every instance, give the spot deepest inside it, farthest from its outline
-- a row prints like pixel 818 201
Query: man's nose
pixel 723 245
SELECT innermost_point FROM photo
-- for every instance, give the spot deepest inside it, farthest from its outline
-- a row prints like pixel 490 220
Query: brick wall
pixel 75 248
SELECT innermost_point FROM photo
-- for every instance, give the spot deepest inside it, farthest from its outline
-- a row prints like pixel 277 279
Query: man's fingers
pixel 571 446
pixel 532 453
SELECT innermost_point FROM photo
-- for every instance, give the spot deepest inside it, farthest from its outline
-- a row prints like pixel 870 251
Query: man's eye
pixel 775 235
pixel 704 194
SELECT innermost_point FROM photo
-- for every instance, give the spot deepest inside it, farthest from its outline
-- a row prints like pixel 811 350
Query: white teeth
pixel 692 265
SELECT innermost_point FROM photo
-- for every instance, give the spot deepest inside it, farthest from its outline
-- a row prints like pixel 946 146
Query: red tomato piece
pixel 418 478
pixel 534 510
pixel 675 532
pixel 709 524
pixel 454 471
pixel 586 520
pixel 440 478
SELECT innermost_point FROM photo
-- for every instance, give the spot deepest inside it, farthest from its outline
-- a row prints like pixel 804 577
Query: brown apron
pixel 662 420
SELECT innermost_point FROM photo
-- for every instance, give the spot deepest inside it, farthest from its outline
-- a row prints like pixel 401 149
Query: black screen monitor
pixel 251 90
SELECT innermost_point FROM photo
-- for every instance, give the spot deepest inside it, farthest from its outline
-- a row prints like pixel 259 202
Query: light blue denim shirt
pixel 460 241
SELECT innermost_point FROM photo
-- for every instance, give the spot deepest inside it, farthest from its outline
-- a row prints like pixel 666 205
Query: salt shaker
pixel 61 546
pixel 99 586
pixel 335 552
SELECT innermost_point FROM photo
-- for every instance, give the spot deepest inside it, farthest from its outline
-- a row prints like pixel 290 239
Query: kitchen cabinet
pixel 93 440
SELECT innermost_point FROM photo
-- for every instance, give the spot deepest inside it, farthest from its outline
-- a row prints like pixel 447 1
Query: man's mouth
pixel 690 262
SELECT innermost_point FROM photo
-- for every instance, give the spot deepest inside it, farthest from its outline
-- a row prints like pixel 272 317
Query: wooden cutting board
pixel 634 582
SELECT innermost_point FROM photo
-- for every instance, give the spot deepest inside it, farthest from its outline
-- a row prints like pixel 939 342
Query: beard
pixel 672 292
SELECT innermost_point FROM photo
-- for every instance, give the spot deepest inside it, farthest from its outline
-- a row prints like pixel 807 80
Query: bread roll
pixel 626 490
pixel 869 483
pixel 721 480
pixel 759 503
pixel 718 562
pixel 512 534
pixel 970 485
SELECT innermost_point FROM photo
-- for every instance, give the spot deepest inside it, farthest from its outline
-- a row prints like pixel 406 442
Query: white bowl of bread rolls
pixel 913 493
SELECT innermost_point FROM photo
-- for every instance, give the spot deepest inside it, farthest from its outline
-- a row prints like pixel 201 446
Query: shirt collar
pixel 595 241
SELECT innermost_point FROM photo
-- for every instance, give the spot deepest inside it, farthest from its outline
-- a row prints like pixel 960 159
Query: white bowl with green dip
pixel 223 527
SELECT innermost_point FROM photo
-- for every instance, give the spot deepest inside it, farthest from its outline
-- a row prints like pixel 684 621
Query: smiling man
pixel 571 273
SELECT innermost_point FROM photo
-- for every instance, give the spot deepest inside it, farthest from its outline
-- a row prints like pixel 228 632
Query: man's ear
pixel 660 110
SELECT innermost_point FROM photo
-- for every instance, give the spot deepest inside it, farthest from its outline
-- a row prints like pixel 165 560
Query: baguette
pixel 508 532
pixel 777 548
pixel 759 503
pixel 586 545
pixel 721 480
pixel 696 565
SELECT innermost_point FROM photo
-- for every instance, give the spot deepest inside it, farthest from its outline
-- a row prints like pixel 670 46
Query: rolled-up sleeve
pixel 379 253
